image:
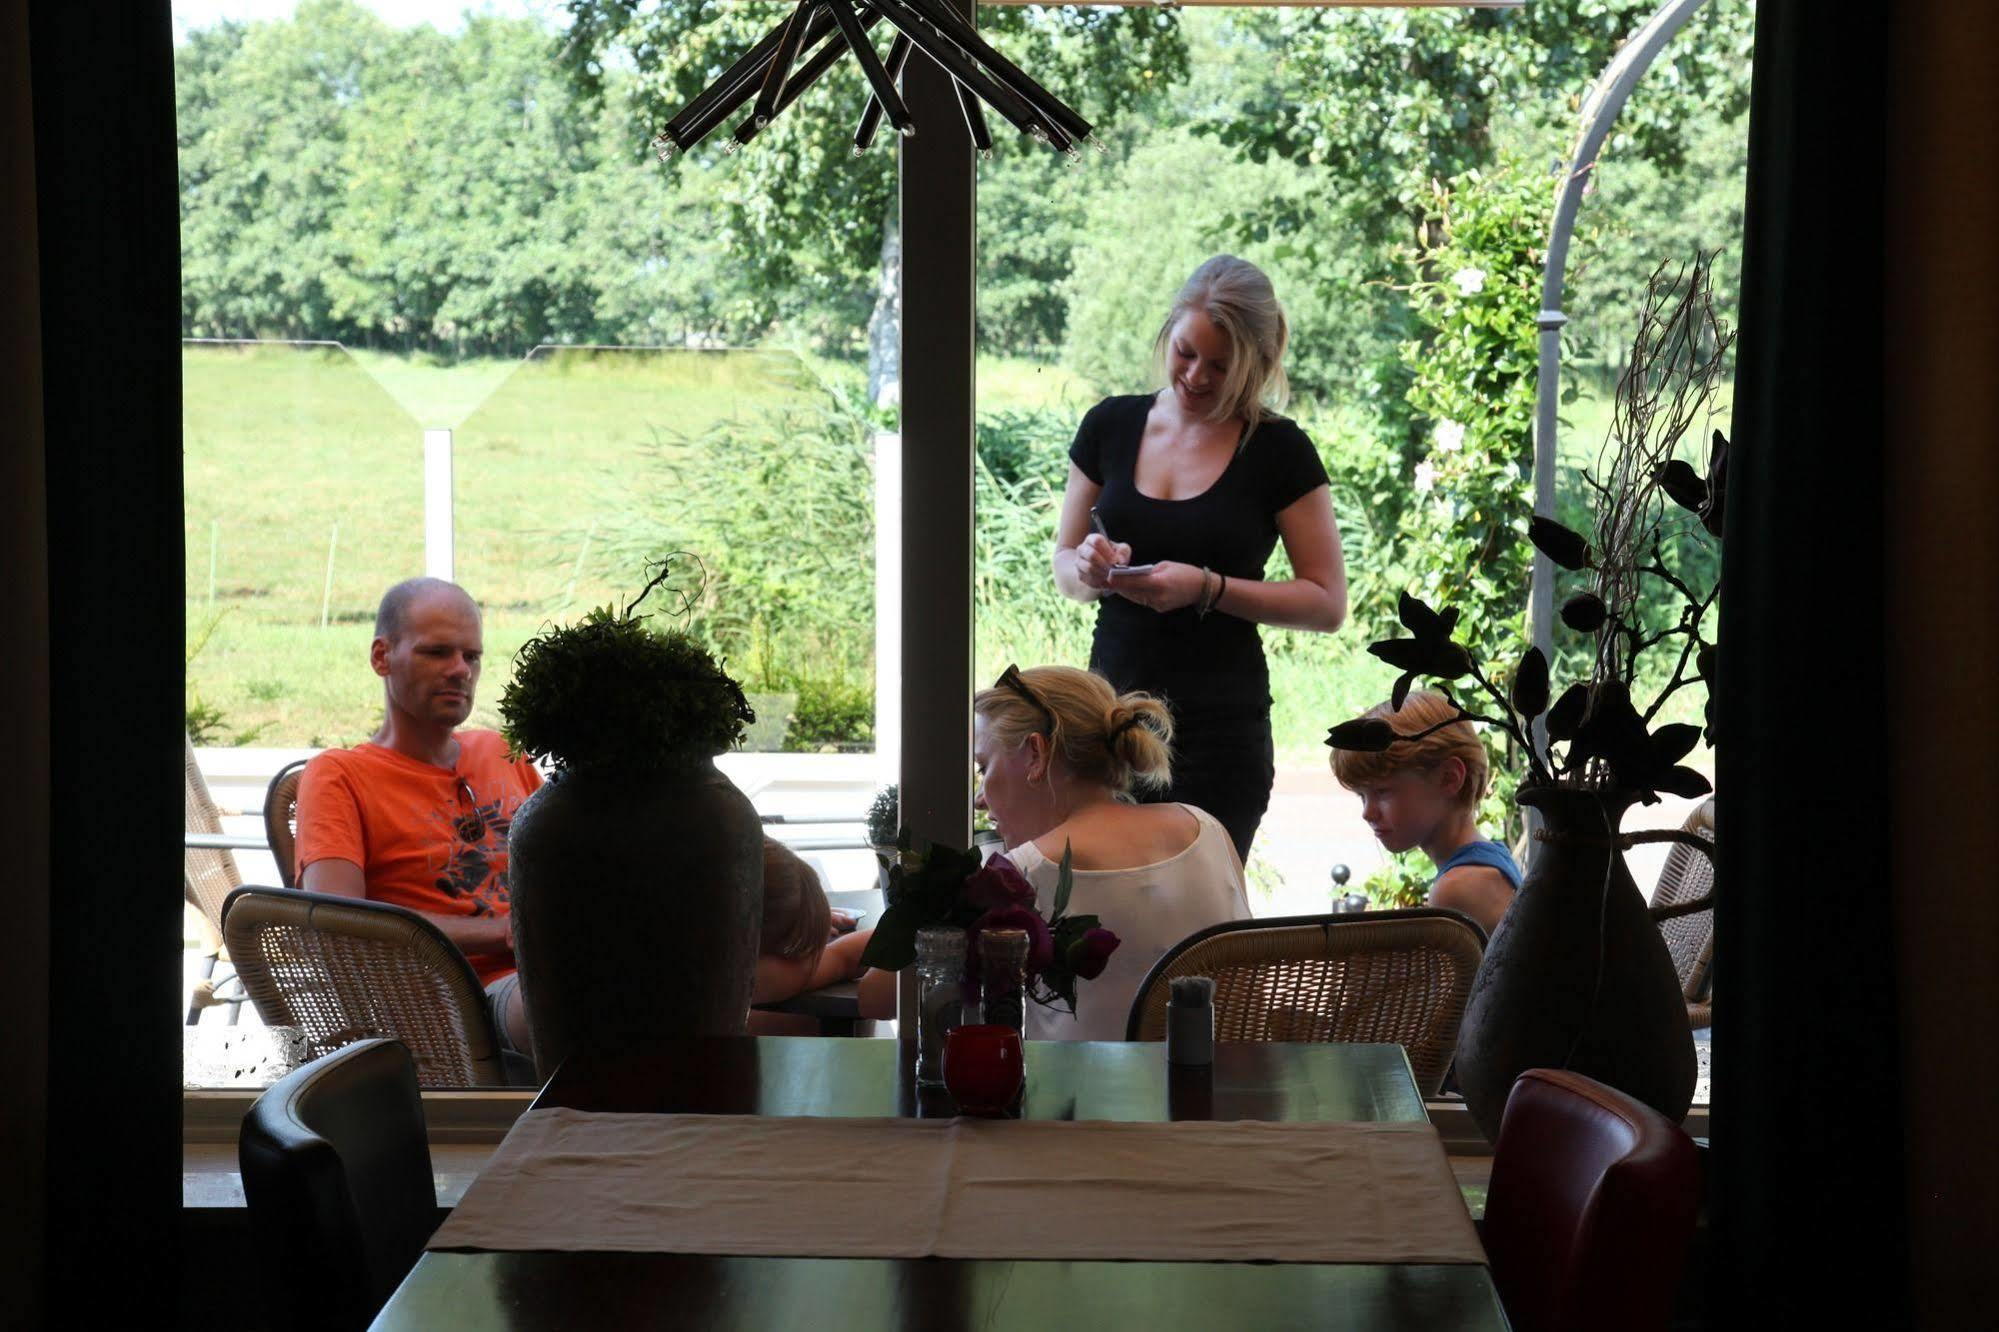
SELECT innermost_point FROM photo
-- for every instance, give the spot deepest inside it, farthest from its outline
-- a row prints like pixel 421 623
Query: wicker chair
pixel 1686 877
pixel 207 878
pixel 1384 976
pixel 281 820
pixel 344 969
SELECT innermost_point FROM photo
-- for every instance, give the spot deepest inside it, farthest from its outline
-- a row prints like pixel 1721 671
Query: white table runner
pixel 962 1188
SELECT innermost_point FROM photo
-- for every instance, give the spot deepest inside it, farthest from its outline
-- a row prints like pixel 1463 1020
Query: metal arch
pixel 1601 105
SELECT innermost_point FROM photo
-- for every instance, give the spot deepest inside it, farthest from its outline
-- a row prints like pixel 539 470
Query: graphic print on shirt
pixel 474 843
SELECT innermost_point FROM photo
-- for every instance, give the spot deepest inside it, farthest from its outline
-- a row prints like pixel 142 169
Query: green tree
pixel 263 112
pixel 342 179
pixel 811 226
pixel 1383 103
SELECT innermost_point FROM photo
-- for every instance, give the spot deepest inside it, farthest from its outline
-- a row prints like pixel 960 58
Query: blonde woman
pixel 1191 488
pixel 1425 793
pixel 1060 754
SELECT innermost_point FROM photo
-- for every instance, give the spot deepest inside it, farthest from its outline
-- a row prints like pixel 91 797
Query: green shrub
pixel 781 503
pixel 1403 882
pixel 832 712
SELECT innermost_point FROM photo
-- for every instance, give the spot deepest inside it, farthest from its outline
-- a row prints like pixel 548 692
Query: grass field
pixel 304 497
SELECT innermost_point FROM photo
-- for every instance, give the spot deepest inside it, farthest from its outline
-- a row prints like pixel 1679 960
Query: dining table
pixel 543 1279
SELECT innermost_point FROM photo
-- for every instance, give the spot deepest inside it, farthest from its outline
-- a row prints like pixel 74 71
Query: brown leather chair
pixel 1590 1208
pixel 336 1174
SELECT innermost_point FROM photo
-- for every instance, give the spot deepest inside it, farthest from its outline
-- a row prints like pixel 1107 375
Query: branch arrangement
pixel 1677 363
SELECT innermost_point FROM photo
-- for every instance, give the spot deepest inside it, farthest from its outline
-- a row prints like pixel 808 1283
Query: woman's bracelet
pixel 1209 592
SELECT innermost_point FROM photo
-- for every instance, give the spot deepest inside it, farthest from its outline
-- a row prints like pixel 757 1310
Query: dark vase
pixel 637 906
pixel 1577 975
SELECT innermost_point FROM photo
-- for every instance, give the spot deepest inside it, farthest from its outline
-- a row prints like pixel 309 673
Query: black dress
pixel 1210 671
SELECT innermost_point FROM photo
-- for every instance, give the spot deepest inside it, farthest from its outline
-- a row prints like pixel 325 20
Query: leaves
pixel 1717 485
pixel 1438 660
pixel 1530 685
pixel 1614 732
pixel 1678 480
pixel 1567 714
pixel 1584 612
pixel 1683 782
pixel 1426 624
pixel 1400 693
pixel 1407 654
pixel 1065 880
pixel 1672 743
pixel 1558 543
pixel 1362 735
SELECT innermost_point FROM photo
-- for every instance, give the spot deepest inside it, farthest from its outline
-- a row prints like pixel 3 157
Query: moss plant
pixel 613 691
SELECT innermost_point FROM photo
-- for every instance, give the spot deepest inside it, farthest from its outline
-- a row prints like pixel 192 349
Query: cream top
pixel 1150 908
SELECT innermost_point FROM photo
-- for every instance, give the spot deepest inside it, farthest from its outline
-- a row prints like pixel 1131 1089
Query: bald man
pixel 418 814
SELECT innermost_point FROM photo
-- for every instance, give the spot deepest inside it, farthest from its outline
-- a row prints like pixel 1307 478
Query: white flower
pixel 1449 436
pixel 1426 476
pixel 1471 281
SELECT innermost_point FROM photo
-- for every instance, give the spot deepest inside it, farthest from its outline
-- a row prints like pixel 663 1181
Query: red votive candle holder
pixel 983 1068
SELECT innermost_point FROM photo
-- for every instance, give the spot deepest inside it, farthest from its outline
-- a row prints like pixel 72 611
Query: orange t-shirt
pixel 428 838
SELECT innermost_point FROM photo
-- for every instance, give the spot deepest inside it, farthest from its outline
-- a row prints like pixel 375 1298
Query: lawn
pixel 304 499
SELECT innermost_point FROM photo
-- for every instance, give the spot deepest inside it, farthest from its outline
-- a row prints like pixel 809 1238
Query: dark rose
pixel 1040 943
pixel 1089 955
pixel 998 884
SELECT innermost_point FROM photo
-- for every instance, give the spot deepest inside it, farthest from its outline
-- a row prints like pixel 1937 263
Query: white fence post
pixel 437 532
pixel 888 606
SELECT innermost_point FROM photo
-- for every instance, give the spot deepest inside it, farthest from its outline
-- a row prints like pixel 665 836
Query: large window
pixel 407 243
pixel 1391 171
pixel 445 315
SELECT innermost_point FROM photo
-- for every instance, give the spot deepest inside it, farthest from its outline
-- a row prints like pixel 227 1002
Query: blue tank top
pixel 1489 853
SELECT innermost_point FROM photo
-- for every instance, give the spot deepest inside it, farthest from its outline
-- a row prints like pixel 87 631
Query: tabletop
pixel 1066 1080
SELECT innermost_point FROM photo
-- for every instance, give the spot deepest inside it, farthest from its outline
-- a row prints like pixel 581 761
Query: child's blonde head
pixel 1421 711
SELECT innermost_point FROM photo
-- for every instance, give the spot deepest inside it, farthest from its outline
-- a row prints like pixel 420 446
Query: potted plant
pixel 637 869
pixel 1577 974
pixel 884 816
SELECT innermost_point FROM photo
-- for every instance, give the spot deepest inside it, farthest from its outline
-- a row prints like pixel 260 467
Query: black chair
pixel 336 1172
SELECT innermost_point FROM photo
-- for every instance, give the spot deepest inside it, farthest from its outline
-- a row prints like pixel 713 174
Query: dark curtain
pixel 1808 1186
pixel 108 222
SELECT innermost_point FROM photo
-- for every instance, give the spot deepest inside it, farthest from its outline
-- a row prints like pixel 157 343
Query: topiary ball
pixel 609 691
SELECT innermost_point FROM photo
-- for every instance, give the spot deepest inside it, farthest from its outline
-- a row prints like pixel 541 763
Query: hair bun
pixel 1115 729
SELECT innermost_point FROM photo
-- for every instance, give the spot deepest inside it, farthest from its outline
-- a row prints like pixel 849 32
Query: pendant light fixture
pixel 790 58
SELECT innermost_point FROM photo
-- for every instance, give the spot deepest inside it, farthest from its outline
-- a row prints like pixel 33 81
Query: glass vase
pixel 940 972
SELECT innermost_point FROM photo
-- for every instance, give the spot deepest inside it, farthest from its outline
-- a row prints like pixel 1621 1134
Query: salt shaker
pixel 940 966
pixel 1190 1021
pixel 1003 978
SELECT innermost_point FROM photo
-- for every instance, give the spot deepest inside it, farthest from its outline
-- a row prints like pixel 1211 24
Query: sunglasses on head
pixel 1010 679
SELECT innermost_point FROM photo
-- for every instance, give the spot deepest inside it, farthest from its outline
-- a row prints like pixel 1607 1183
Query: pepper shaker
pixel 1190 1021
